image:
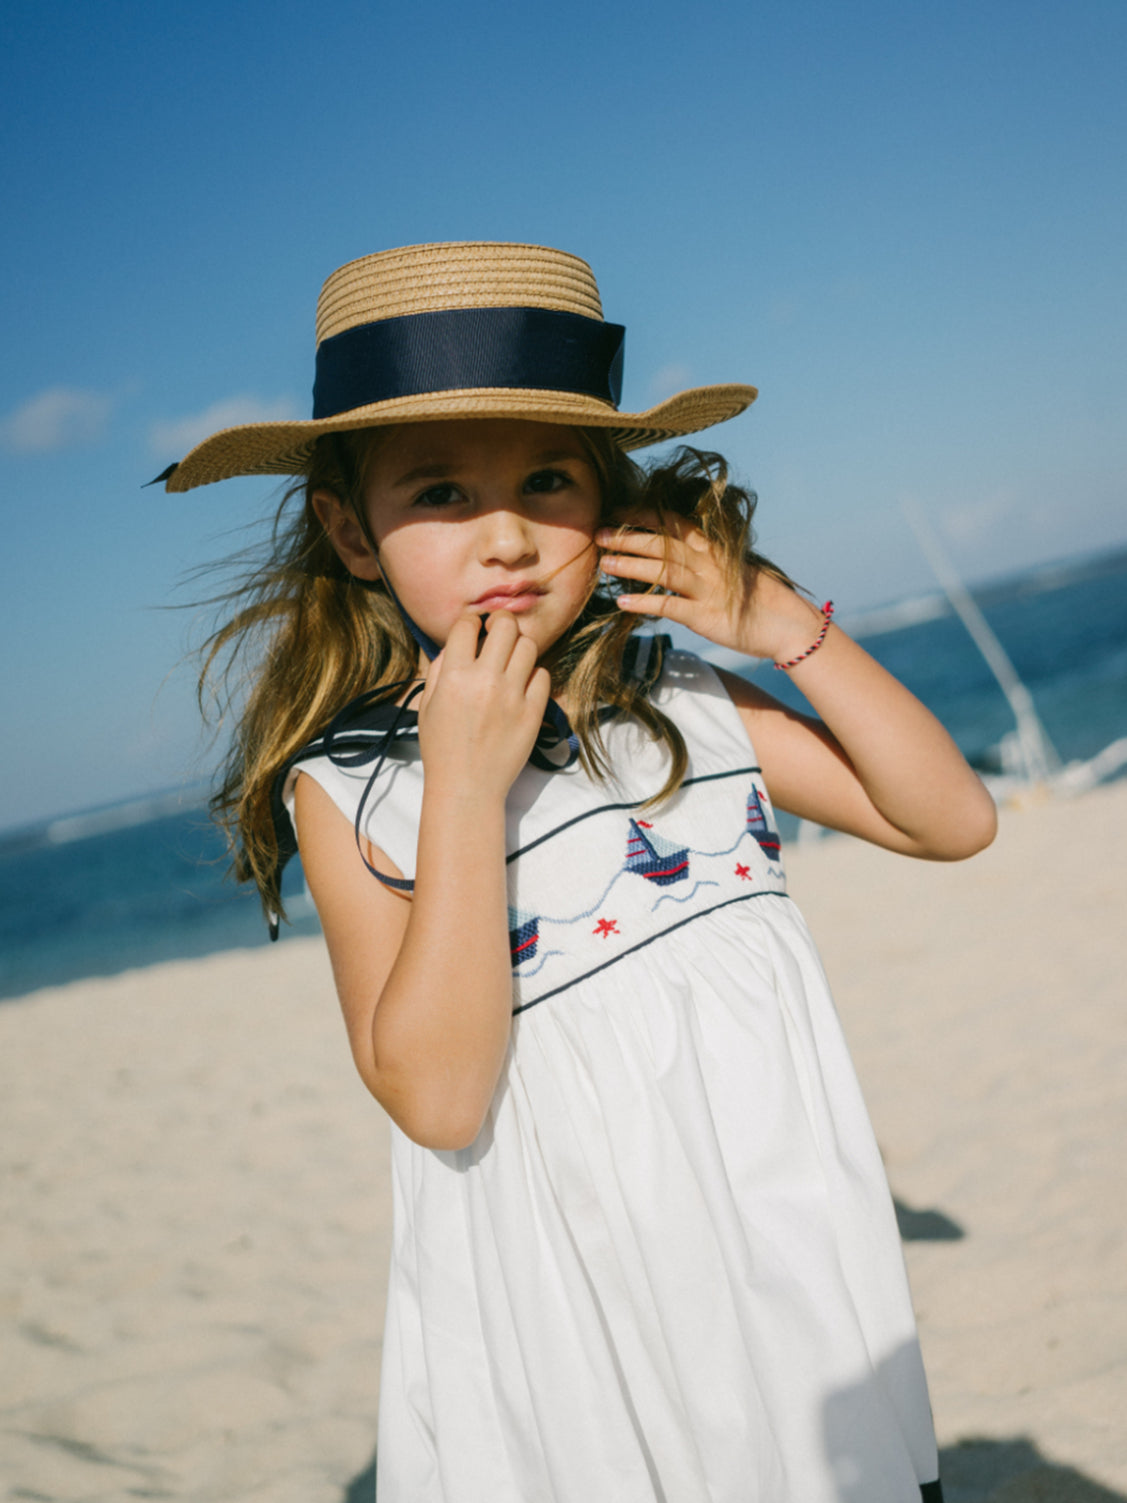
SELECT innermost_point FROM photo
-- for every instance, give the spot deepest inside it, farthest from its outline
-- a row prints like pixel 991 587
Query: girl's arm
pixel 426 983
pixel 878 764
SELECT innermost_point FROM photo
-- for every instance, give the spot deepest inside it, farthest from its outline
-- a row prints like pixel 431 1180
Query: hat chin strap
pixel 427 645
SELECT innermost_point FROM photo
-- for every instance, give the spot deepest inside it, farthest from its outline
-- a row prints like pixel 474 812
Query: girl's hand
pixel 762 617
pixel 481 710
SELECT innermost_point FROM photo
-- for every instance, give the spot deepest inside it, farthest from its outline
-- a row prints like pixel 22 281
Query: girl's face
pixel 486 515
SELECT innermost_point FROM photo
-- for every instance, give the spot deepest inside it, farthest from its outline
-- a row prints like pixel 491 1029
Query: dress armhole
pixel 322 772
pixel 692 694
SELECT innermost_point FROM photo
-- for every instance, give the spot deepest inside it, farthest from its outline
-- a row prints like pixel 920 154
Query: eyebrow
pixel 437 469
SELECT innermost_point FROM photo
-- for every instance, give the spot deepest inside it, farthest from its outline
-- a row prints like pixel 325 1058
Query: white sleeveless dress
pixel 668 1268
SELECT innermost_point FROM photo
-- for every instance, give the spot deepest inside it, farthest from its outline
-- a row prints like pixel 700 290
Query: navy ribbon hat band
pixel 461 349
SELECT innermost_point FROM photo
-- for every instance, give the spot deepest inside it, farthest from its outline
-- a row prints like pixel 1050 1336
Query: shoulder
pixel 687 674
pixel 377 788
pixel 696 698
pixel 344 786
pixel 724 710
pixel 367 734
pixel 686 677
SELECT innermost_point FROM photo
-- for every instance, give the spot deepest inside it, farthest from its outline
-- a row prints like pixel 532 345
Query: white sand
pixel 195 1212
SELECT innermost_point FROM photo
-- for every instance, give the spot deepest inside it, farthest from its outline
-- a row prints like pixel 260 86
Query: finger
pixel 539 691
pixel 501 633
pixel 669 574
pixel 522 666
pixel 523 659
pixel 499 620
pixel 678 550
pixel 668 607
pixel 628 540
pixel 684 529
pixel 527 717
pixel 430 679
pixel 648 526
pixel 461 642
pixel 640 516
pixel 652 521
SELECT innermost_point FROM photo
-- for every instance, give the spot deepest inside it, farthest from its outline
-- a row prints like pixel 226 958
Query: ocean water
pixel 108 890
pixel 1064 628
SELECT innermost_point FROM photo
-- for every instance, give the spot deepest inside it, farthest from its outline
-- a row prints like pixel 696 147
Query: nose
pixel 505 537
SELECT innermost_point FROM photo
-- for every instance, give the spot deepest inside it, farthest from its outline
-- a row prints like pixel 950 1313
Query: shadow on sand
pixel 926 1226
pixel 362 1489
pixel 978 1470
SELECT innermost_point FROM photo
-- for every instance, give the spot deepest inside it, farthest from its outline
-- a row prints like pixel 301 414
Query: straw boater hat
pixel 464 330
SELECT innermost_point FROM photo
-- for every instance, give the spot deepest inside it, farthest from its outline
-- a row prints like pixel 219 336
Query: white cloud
pixel 175 436
pixel 668 381
pixel 58 418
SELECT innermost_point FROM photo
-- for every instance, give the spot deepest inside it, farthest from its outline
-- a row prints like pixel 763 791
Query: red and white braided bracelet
pixel 827 613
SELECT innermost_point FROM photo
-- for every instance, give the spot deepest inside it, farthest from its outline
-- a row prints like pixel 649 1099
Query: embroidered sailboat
pixel 650 856
pixel 757 823
pixel 524 936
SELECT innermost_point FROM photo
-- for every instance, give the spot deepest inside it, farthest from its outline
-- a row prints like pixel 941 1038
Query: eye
pixel 544 482
pixel 438 497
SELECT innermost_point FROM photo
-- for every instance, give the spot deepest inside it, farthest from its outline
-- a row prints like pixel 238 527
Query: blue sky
pixel 904 223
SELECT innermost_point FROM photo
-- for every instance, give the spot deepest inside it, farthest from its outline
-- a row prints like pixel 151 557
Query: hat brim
pixel 284 448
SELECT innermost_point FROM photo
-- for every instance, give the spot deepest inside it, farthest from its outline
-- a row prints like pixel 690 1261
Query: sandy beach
pixel 196 1205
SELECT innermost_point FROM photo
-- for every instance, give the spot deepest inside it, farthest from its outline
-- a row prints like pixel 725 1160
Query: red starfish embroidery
pixel 605 927
pixel 744 872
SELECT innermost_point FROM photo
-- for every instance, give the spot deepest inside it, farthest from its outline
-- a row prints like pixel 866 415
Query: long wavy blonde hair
pixel 304 637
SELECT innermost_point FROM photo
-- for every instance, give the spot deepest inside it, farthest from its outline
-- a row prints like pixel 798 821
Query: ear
pixel 346 535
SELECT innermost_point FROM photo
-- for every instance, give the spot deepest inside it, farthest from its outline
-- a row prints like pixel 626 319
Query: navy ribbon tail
pixel 164 475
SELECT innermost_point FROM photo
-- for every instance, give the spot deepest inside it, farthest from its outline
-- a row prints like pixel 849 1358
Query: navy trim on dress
pixel 761 892
pixel 707 777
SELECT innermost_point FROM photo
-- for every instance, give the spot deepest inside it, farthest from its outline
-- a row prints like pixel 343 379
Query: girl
pixel 643 1245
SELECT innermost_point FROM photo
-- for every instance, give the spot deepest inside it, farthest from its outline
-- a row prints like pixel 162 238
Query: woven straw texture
pixel 471 274
pixel 433 278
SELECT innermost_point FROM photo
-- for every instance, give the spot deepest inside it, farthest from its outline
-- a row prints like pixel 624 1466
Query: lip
pixel 517 597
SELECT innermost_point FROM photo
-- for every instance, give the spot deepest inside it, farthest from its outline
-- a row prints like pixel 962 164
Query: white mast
pixel 1036 755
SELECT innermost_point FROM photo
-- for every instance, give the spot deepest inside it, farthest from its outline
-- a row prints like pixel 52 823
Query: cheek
pixel 423 570
pixel 578 554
